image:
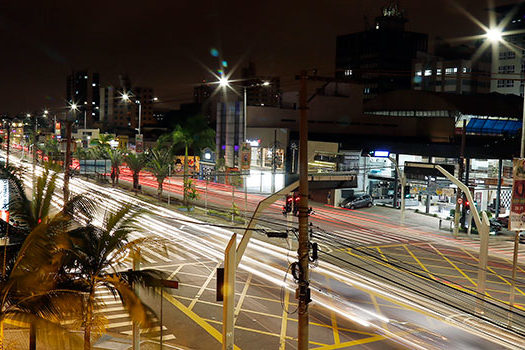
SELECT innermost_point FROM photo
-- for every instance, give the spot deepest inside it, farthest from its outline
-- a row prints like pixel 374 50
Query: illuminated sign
pixel 381 154
pixel 254 143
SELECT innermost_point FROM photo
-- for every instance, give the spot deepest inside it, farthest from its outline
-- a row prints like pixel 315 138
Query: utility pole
pixel 8 143
pixel 303 291
pixel 35 139
pixel 460 178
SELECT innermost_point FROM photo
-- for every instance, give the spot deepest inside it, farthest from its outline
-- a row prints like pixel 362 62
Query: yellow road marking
pixel 352 343
pixel 196 318
pixel 383 255
pixel 377 308
pixel 241 298
pixel 497 274
pixel 175 272
pixel 203 288
pixel 419 262
pixel 455 266
pixel 284 321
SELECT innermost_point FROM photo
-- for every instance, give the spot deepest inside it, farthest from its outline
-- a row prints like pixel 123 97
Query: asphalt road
pixel 349 309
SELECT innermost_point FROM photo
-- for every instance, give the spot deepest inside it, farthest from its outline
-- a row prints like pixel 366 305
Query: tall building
pixel 380 58
pixel 120 116
pixel 83 89
pixel 260 90
pixel 508 65
pixel 451 70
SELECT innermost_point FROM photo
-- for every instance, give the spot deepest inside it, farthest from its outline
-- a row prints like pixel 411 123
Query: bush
pixel 452 213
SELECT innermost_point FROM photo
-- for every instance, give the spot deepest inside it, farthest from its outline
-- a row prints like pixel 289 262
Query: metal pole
pixel 140 112
pixel 274 165
pixel 396 182
pixel 229 294
pixel 403 184
pixel 67 160
pixel 34 154
pixel 522 149
pixel 303 289
pixel 135 326
pixel 514 264
pixel 169 181
pixel 233 202
pixel 245 198
pixel 8 142
pixel 85 119
pixel 206 195
pixel 161 302
pixel 460 177
pixel 427 204
pixel 245 114
pixel 498 190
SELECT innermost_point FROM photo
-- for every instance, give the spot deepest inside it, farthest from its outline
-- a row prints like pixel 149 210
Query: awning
pixel 493 126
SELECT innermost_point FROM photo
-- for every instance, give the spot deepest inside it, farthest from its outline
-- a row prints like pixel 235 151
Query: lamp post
pixel 495 36
pixel 69 121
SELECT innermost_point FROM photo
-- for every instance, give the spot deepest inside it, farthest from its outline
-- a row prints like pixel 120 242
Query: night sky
pixel 166 44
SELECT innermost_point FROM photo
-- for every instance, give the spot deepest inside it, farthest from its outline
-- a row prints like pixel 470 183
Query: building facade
pixel 380 58
pixel 507 62
pixel 120 116
pixel 83 89
pixel 458 76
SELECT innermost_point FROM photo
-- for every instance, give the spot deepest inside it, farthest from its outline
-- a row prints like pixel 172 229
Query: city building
pixel 380 58
pixel 260 90
pixel 452 71
pixel 121 116
pixel 507 63
pixel 83 89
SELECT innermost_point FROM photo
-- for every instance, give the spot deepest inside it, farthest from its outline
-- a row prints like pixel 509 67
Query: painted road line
pixel 203 288
pixel 241 298
pixel 284 320
pixel 197 319
pixel 419 262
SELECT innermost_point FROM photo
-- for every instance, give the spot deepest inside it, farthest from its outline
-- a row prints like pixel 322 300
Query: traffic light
pixel 288 205
pixel 296 199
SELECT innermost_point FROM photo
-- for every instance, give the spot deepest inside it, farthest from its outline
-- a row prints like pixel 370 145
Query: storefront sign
pixel 517 208
pixel 246 156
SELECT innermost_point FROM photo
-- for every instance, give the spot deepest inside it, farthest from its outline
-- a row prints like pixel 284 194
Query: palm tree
pixel 45 240
pixel 196 134
pixel 97 259
pixel 159 164
pixel 136 162
pixel 116 156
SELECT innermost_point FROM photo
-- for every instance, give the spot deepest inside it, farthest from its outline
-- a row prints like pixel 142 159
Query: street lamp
pixel 126 98
pixel 494 35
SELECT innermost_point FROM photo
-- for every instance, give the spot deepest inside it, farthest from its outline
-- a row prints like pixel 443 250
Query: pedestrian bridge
pixel 328 180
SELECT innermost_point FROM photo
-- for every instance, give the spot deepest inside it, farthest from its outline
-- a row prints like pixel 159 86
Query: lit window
pixel 93 84
pixel 428 72
pixel 348 72
pixel 85 76
pixel 464 69
pixel 93 113
pixel 455 69
pixel 418 73
pixel 449 71
pixel 438 71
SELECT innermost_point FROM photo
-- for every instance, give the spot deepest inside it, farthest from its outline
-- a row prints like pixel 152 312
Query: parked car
pixel 359 201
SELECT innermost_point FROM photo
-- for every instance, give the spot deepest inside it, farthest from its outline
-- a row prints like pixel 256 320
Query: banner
pixel 517 207
pixel 139 143
pixel 4 199
pixel 246 156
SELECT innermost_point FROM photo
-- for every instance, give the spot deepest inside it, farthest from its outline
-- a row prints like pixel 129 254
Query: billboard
pixel 517 206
